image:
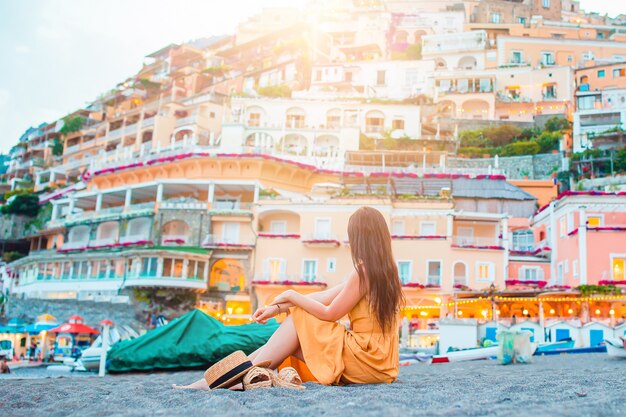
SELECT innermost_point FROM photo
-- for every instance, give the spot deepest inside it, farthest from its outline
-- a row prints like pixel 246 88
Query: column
pixel 55 211
pixel 128 198
pixel 53 176
pixel 99 202
pixel 256 192
pixel 159 271
pixel 71 205
pixel 542 317
pixel 159 196
pixel 582 246
pixel 449 225
pixel 505 244
pixel 185 268
pixel 553 243
pixel 211 192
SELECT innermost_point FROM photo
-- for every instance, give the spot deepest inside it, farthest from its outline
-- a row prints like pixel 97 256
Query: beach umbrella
pixel 74 326
pixel 46 318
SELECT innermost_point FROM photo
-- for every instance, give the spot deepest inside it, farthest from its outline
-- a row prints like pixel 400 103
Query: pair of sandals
pixel 258 378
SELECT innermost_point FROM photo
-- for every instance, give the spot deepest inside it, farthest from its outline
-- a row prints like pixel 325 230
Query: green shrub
pixel 520 148
pixel 556 123
pixel 275 91
pixel 72 124
pixel 24 204
pixel 548 141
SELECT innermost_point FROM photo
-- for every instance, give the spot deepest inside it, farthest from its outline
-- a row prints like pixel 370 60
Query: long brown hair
pixel 370 245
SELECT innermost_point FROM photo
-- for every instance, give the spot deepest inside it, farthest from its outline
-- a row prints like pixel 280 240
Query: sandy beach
pixel 581 385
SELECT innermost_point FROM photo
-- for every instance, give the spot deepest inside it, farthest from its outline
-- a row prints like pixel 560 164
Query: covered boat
pixel 191 341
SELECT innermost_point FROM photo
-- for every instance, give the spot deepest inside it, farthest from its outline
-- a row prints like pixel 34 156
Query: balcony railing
pixel 74 245
pixel 114 134
pixel 434 280
pixel 135 238
pixel 173 240
pixel 183 205
pixel 220 241
pixel 102 242
pixel 476 242
pixel 228 205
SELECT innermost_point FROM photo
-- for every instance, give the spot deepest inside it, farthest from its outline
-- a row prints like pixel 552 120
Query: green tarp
pixel 191 341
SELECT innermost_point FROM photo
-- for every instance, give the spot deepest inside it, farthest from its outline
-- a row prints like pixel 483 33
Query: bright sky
pixel 60 54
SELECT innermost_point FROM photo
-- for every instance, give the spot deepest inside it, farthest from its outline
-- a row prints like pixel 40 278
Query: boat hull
pixel 467 355
pixel 614 349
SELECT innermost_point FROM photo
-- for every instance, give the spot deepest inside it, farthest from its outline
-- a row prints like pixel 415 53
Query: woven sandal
pixel 290 375
pixel 257 378
pixel 287 378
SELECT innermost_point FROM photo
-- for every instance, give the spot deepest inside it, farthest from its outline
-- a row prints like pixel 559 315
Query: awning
pixel 39 327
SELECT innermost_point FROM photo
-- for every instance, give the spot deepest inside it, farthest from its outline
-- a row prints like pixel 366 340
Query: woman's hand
pixel 284 297
pixel 263 314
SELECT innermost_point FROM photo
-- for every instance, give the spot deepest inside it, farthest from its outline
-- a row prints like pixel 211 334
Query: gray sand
pixel 580 385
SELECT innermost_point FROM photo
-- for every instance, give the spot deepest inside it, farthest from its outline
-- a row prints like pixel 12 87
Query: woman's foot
pixel 199 384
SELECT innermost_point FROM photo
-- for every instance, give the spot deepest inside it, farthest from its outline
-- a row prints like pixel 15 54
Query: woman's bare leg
pixel 283 343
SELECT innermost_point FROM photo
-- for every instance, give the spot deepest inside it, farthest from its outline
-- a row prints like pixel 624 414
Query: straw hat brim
pixel 235 379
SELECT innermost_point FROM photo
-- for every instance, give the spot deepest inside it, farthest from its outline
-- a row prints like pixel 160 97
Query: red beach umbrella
pixel 74 326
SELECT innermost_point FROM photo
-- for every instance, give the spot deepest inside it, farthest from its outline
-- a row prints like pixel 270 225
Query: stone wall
pixel 535 167
pixel 132 315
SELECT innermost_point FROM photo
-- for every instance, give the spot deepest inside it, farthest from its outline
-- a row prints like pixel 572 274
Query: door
pixel 491 333
pixel 562 334
pixel 532 331
pixel 595 337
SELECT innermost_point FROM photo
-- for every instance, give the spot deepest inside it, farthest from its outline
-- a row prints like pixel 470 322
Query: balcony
pixel 321 240
pixel 72 246
pixel 135 239
pixel 227 208
pixel 102 243
pixel 174 240
pixel 226 243
pixel 182 205
pixel 289 280
pixel 115 134
pixel 467 242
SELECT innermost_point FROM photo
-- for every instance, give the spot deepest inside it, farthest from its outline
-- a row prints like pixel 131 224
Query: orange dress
pixel 335 355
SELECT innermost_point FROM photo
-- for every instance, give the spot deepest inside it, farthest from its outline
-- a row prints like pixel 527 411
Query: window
pixel 566 266
pixel 484 271
pixel 559 273
pixel 546 4
pixel 230 232
pixel 529 273
pixel 318 75
pixel 212 115
pixel 575 267
pixel 411 77
pixel 254 119
pixel 619 72
pixel 570 222
pixel 278 227
pixel 348 76
pixel 601 73
pixel 523 240
pixel 177 272
pixel 380 77
pixel 428 228
pixel 617 269
pixel 331 265
pixel 274 269
pixel 516 57
pixel 484 85
pixel 149 267
pixel 397 124
pixel 309 270
pixel 562 227
pixel 495 17
pixel 594 221
pixel 397 227
pixel 521 20
pixel 570 58
pixel 434 273
pixel 547 58
pixel 404 271
pixel 322 229
pixel 549 91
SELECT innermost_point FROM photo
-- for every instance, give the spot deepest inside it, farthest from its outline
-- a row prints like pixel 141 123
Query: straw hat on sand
pixel 231 370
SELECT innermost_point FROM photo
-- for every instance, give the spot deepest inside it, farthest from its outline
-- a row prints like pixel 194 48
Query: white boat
pixel 90 357
pixel 467 354
pixel 615 348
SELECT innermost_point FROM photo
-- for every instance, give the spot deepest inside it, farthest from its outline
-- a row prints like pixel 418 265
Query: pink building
pixel 586 236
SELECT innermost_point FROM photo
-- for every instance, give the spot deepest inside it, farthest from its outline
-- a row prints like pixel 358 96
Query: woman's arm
pixel 348 296
pixel 325 297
